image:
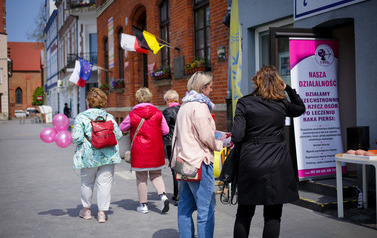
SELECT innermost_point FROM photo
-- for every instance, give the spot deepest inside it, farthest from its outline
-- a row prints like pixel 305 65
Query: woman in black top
pixel 266 176
pixel 171 99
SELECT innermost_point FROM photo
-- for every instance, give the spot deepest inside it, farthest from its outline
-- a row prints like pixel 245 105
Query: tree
pixel 38 92
pixel 40 21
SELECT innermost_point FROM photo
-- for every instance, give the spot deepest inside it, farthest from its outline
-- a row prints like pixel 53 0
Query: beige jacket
pixel 195 131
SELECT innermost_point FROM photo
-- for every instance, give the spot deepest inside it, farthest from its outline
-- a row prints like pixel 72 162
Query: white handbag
pixel 127 156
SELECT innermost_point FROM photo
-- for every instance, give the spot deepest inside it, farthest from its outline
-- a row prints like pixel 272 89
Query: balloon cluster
pixel 59 133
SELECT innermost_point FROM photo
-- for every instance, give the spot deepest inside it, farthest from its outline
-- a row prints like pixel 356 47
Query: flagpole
pixel 169 46
pixel 167 43
pixel 102 68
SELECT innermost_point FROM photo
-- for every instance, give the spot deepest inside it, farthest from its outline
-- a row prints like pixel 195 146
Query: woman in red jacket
pixel 147 152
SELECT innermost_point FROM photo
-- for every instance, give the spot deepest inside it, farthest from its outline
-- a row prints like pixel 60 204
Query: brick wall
pixel 28 82
pixel 181 35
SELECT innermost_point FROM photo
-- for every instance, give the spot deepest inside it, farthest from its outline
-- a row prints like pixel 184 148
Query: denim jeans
pixel 198 196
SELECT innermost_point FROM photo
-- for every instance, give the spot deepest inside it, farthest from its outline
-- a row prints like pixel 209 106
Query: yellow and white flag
pixel 235 54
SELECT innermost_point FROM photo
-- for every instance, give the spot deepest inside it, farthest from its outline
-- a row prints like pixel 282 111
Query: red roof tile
pixel 26 56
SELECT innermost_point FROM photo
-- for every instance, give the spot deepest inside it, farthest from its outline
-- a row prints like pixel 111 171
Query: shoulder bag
pixel 183 170
pixel 229 177
pixel 127 156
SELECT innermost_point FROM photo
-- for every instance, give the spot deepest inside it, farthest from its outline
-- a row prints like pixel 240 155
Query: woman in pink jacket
pixel 195 142
pixel 147 152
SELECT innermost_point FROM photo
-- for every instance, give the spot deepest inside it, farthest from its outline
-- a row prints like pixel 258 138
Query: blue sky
pixel 20 18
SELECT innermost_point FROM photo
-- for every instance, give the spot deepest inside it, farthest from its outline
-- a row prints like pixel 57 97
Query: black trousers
pixel 272 218
pixel 175 182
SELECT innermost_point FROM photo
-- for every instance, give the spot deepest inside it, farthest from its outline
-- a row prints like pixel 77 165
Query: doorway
pixel 142 61
pixel 341 30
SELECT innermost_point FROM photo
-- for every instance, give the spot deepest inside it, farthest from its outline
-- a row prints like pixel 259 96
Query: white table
pixel 339 183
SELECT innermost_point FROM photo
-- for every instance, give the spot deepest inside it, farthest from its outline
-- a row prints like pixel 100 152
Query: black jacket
pixel 266 173
pixel 170 115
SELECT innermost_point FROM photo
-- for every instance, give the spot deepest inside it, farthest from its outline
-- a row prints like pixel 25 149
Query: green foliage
pixel 104 86
pixel 38 92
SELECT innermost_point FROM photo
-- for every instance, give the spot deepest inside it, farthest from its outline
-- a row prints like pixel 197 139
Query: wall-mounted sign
pixel 221 54
pixel 307 8
pixel 110 27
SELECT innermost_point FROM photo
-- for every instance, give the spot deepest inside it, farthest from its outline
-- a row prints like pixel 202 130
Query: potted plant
pixel 194 66
pixel 118 83
pixel 161 73
pixel 202 64
pixel 104 87
pixel 187 68
pixel 198 64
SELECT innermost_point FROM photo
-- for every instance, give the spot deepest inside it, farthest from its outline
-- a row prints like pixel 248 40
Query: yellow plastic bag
pixel 219 157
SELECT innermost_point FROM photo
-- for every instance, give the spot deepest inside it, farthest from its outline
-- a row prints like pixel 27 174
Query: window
pixel 120 55
pixel 202 29
pixel 262 42
pixel 18 96
pixel 106 50
pixel 164 29
pixel 93 47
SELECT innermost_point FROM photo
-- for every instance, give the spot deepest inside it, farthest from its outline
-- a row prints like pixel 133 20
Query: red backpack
pixel 102 133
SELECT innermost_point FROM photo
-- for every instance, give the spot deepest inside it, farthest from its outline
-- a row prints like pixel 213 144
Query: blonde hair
pixel 268 84
pixel 198 81
pixel 96 98
pixel 171 95
pixel 143 95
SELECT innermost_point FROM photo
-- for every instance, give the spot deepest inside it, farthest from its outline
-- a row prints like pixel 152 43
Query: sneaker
pixel 85 213
pixel 142 208
pixel 164 203
pixel 101 217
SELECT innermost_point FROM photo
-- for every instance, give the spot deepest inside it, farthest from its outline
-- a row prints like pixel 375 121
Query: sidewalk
pixel 40 197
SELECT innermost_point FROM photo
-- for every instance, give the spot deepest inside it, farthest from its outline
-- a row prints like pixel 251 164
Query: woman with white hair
pixel 147 152
pixel 171 99
pixel 194 143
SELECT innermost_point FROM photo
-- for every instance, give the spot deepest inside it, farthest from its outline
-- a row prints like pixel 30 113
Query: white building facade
pixel 52 61
pixel 77 37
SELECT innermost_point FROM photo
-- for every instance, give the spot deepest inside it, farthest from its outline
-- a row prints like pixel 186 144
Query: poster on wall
pixel 314 65
pixel 110 27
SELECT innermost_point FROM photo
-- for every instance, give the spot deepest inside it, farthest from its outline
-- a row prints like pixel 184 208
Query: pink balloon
pixel 63 139
pixel 60 122
pixel 48 135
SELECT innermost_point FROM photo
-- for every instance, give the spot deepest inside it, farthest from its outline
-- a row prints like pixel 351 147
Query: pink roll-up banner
pixel 318 138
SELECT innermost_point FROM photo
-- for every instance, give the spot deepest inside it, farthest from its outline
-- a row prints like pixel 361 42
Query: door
pixel 343 31
pixel 279 57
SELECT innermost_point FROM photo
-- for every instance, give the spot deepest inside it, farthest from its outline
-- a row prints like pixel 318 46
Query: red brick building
pixel 194 29
pixel 26 74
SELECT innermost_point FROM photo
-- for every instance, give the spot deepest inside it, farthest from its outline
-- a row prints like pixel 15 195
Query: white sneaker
pixel 164 204
pixel 142 208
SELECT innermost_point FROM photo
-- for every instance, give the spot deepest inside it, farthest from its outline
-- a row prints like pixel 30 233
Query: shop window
pixel 19 96
pixel 202 29
pixel 120 55
pixel 164 29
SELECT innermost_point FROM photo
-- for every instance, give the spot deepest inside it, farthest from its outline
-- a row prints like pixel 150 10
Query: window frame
pixel 120 55
pixel 106 58
pixel 18 96
pixel 165 25
pixel 202 5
